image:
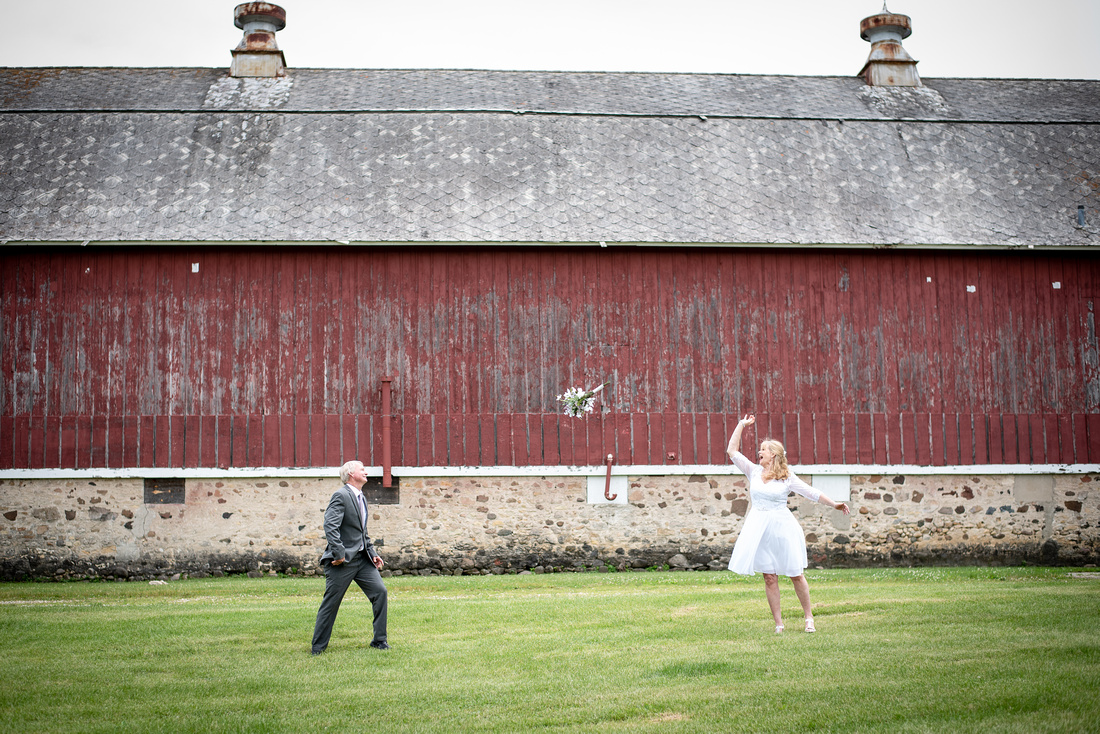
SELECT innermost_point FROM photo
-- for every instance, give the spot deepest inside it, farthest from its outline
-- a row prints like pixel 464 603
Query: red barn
pixel 209 277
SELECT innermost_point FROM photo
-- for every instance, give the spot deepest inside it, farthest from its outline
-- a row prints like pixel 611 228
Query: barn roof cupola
pixel 888 65
pixel 257 55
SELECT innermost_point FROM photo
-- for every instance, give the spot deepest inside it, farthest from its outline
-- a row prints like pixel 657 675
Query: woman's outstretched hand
pixel 735 439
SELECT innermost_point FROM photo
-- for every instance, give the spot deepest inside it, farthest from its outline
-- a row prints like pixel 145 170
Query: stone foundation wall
pixel 102 528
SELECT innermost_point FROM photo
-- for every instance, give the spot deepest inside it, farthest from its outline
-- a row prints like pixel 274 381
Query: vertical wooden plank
pixel 789 432
pixel 645 432
pixel 892 426
pixel 551 439
pixel 295 435
pixel 1037 438
pixel 566 428
pixel 456 440
pixel 128 444
pixel 334 449
pixel 255 441
pixel 20 446
pixel 463 440
pixel 1051 447
pixel 601 439
pixel 365 430
pixel 607 438
pixel 1049 423
pixel 639 438
pixel 280 430
pixel 670 443
pixel 657 440
pixel 922 438
pixel 348 445
pixel 908 431
pixel 487 439
pixel 865 449
pixel 851 439
pixel 425 446
pixel 686 450
pixel 223 440
pixel 822 424
pixel 1080 439
pixel 192 441
pixel 400 435
pixel 702 439
pixel 504 451
pixel 624 451
pixel 1010 438
pixel 1092 427
pixel 239 428
pixel 170 436
pixel 588 438
pixel 37 431
pixel 317 454
pixel 880 438
pixel 520 439
pixel 937 434
pixel 979 423
pixel 807 450
pixel 830 437
pixel 759 431
pixel 996 438
pixel 951 440
pixel 718 439
pixel 159 445
pixel 965 424
pixel 535 456
pixel 1065 438
pixel 98 454
pixel 147 442
pixel 52 449
pixel 1029 435
pixel 208 441
pixel 68 443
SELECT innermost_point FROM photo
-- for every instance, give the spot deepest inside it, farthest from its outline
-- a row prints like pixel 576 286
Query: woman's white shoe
pixel 778 629
pixel 810 625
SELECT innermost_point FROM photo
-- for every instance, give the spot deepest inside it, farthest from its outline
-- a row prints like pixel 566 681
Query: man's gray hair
pixel 347 469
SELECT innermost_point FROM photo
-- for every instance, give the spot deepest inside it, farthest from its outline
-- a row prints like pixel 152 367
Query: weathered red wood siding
pixel 119 357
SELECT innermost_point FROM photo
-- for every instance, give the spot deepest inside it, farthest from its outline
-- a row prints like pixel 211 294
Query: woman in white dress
pixel 771 540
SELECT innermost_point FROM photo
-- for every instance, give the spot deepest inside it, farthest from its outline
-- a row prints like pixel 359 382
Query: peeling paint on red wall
pixel 273 355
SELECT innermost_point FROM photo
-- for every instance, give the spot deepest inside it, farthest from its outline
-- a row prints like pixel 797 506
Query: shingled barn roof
pixel 194 155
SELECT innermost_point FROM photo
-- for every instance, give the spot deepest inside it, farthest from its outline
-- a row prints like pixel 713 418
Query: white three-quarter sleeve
pixel 802 488
pixel 742 462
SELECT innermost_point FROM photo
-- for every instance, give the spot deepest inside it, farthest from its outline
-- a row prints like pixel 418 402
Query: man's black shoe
pixel 315 652
pixel 380 646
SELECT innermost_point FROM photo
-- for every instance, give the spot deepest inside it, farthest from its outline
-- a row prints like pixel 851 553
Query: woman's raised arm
pixel 735 439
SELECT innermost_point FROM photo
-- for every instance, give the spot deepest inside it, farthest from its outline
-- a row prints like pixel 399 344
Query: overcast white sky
pixel 951 38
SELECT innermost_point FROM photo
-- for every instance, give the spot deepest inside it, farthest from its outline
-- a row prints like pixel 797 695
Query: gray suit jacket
pixel 345 530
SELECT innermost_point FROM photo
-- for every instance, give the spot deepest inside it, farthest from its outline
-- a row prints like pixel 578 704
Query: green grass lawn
pixel 898 650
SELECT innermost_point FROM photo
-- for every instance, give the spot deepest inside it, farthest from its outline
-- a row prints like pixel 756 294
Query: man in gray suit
pixel 350 556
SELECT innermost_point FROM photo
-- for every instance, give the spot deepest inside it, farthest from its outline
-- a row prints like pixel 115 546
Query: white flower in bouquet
pixel 576 401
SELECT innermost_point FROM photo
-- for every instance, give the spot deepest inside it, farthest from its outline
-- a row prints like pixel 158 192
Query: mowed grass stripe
pixel 959 649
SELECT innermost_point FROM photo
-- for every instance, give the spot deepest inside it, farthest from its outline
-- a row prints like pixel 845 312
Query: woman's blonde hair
pixel 779 469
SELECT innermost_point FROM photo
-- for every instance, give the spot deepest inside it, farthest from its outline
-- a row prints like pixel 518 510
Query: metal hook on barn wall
pixel 607 485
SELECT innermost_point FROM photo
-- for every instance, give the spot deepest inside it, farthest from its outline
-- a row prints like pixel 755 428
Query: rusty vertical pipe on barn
pixel 607 484
pixel 387 477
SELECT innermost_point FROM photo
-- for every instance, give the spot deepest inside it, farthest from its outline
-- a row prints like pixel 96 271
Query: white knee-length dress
pixel 771 540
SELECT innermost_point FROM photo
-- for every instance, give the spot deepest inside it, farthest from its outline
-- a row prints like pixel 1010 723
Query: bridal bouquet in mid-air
pixel 576 401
